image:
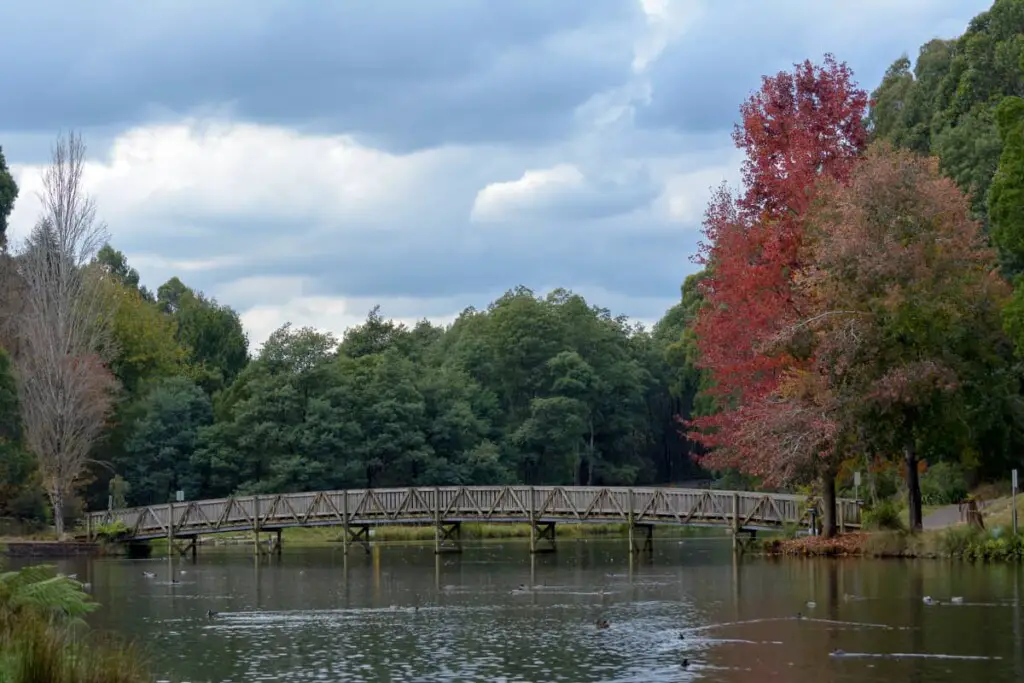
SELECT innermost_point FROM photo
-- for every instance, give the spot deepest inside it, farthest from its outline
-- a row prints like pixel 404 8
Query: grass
pixel 33 651
pixel 999 512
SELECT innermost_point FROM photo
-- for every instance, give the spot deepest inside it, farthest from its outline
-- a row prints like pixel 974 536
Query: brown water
pixel 403 614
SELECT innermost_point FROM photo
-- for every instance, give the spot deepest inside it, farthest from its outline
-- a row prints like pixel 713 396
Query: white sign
pixel 856 478
pixel 180 496
pixel 1014 484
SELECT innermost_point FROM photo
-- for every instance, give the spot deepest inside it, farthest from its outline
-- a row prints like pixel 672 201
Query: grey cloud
pixel 699 82
pixel 406 74
pixel 624 255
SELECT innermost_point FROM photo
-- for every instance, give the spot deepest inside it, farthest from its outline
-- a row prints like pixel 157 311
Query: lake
pixel 404 614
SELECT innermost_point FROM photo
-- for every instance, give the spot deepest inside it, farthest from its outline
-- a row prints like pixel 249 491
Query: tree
pixel 163 441
pixel 8 195
pixel 145 339
pixel 217 346
pixel 906 314
pixel 800 127
pixel 19 495
pixel 1006 194
pixel 65 388
pixel 115 263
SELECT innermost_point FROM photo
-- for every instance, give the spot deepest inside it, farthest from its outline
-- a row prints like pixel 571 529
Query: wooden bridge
pixel 445 508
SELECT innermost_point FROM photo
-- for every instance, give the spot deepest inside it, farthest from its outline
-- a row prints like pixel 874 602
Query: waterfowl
pixel 957 600
pixel 682 636
pixel 811 604
pixel 210 614
pixel 602 623
pixel 149 575
pixel 686 662
pixel 929 601
pixel 799 615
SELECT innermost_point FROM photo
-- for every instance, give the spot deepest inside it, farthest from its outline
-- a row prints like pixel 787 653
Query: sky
pixel 305 161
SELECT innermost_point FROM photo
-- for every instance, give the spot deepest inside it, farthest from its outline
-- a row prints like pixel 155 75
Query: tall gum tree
pixel 801 126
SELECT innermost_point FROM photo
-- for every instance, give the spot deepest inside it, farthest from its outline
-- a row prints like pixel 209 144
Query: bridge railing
pixel 501 503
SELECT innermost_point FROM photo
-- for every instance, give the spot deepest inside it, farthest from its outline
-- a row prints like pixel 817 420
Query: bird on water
pixel 210 614
pixel 602 623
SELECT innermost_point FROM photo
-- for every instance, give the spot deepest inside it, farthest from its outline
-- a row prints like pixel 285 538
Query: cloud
pixel 305 161
pixel 561 192
pixel 722 49
pixel 405 74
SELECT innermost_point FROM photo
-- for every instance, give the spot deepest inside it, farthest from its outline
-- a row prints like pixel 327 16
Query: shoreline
pixel 959 542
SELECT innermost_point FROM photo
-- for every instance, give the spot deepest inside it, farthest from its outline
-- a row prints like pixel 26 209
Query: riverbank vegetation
pixel 43 638
pixel 958 542
pixel 858 307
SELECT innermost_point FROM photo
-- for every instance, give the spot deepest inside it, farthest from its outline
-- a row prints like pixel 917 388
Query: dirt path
pixel 943 517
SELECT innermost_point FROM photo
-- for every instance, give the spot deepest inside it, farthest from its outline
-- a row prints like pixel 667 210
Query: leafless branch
pixel 63 328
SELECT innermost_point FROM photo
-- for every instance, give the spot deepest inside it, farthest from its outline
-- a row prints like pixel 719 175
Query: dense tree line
pixel 860 307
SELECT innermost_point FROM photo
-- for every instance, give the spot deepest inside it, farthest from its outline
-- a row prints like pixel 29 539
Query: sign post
pixel 180 496
pixel 1013 501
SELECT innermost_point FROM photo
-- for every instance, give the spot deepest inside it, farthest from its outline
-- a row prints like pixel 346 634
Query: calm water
pixel 403 614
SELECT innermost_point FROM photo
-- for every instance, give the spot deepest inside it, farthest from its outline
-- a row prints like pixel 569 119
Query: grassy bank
pixel 959 542
pixel 43 638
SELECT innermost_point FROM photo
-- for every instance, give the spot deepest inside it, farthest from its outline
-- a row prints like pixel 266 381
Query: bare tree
pixel 64 329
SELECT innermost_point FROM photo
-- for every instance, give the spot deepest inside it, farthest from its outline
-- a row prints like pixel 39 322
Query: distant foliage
pixel 944 483
pixel 885 515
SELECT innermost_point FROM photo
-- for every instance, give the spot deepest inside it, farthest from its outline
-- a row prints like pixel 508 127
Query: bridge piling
pixel 447 537
pixel 361 535
pixel 542 537
pixel 344 522
pixel 646 544
pixel 256 525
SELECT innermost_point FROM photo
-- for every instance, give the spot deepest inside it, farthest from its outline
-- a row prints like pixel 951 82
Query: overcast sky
pixel 303 161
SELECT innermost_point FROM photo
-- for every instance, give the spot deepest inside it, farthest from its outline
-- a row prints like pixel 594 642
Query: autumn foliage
pixel 800 127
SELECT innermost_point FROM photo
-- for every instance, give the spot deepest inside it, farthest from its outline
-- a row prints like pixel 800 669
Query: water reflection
pixel 406 614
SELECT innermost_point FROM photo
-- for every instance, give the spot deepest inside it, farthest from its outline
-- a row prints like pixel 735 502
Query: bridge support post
pixel 361 535
pixel 170 527
pixel 542 537
pixel 645 544
pixel 447 537
pixel 277 543
pixel 256 525
pixel 188 547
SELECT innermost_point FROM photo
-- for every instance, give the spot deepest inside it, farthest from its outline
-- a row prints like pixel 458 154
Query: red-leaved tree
pixel 800 127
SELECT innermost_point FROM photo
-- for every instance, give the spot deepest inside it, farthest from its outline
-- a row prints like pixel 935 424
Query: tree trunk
pixel 828 500
pixel 57 499
pixel 913 489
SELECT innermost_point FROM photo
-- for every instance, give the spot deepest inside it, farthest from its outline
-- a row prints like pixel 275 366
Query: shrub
pixel 112 531
pixel 885 515
pixel 944 483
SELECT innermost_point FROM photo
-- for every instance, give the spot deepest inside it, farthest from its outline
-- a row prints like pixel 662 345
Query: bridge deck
pixel 447 504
